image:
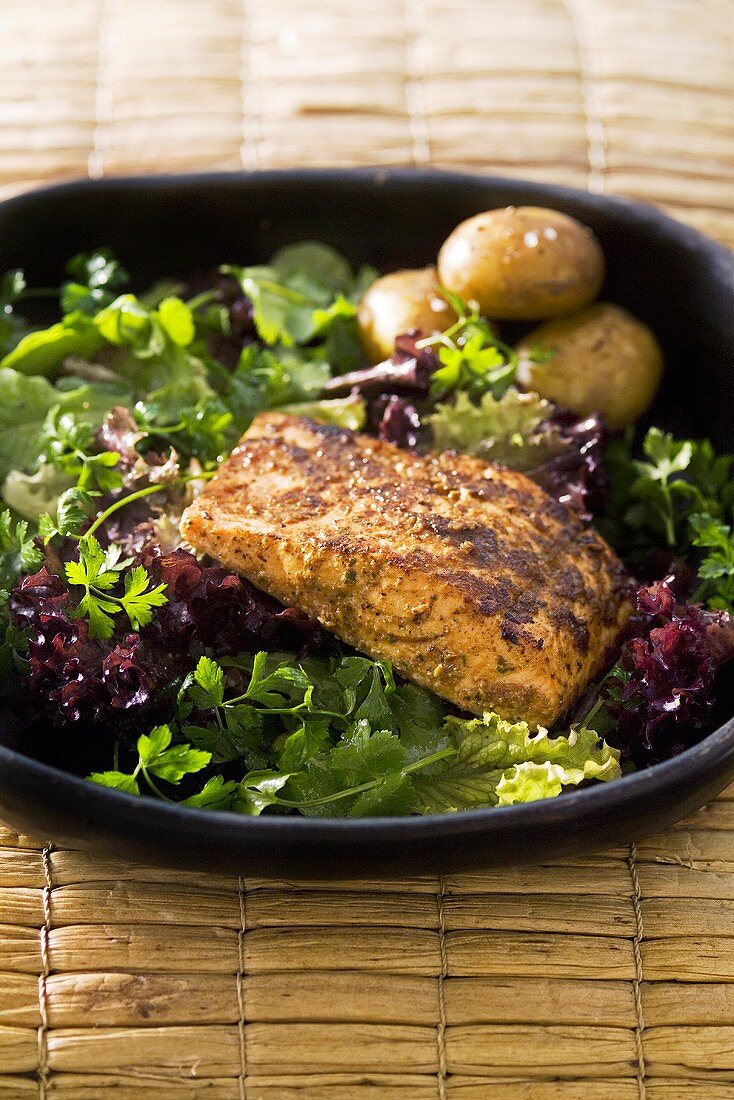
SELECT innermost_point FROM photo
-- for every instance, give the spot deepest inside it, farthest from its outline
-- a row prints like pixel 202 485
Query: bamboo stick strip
pixel 20 868
pixel 404 1048
pixel 19 1004
pixel 490 1000
pixel 326 1086
pixel 659 880
pixel 477 953
pixel 269 908
pixel 20 949
pixel 12 1087
pixel 473 1088
pixel 693 959
pixel 156 949
pixel 335 996
pixel 354 1087
pixel 601 915
pixel 21 905
pixel 112 901
pixel 690 1051
pixel 670 1003
pixel 684 844
pixel 375 949
pixel 681 916
pixel 18 1049
pixel 10 839
pixel 72 868
pixel 208 1051
pixel 717 815
pixel 546 1051
pixel 667 1089
pixel 153 948
pixel 135 1086
pixel 605 877
pixel 140 1000
pixel 213 1050
pixel 593 874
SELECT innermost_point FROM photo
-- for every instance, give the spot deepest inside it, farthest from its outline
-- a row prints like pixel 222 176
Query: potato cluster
pixel 529 264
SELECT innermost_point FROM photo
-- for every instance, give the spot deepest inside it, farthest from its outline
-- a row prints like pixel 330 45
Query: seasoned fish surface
pixel 468 577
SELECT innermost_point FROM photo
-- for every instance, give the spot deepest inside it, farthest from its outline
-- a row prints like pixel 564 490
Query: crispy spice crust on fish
pixel 468 577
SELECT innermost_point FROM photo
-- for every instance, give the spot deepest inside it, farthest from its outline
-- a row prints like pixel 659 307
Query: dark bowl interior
pixel 681 283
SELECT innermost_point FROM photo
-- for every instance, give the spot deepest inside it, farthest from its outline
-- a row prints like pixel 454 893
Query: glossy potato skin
pixel 397 303
pixel 524 263
pixel 604 360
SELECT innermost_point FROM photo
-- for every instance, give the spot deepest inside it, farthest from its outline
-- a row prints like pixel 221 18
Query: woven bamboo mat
pixel 606 978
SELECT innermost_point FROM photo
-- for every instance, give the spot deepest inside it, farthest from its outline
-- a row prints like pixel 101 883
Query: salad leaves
pixel 99 573
pixel 342 737
pixel 503 430
pixel 471 358
pixel 679 496
pixel 111 418
pixel 157 759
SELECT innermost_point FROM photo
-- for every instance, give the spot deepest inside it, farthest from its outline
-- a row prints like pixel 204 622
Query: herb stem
pixel 153 787
pixel 369 785
pixel 115 507
pixel 139 494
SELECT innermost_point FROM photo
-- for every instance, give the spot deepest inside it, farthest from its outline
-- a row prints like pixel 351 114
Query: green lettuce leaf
pixel 490 767
pixel 25 403
pixel 346 412
pixel 32 495
pixel 503 431
pixel 44 350
pixel 307 291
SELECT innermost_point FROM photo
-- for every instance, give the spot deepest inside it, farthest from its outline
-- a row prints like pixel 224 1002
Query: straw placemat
pixel 606 978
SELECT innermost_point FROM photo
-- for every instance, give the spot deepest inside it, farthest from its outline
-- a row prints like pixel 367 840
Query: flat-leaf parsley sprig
pixel 472 359
pixel 99 572
pixel 158 758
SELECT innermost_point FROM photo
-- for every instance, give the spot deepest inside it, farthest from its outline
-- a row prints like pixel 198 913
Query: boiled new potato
pixel 397 303
pixel 522 263
pixel 599 360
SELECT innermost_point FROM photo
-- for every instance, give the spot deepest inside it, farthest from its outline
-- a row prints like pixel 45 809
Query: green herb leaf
pixel 216 794
pixel 259 790
pixel 98 572
pixel 158 757
pixel 653 498
pixel 716 569
pixel 121 781
pixel 18 552
pixel 209 677
pixel 472 358
pixel 43 351
pixel 139 598
pixel 94 281
pixel 68 443
pixel 72 513
pixel 170 762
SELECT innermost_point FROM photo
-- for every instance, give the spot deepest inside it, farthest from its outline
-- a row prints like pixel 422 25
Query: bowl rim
pixel 210 825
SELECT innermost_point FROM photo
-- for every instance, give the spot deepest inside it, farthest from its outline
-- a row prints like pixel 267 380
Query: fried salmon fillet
pixel 468 577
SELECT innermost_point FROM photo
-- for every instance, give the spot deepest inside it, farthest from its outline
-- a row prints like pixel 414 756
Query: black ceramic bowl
pixel 678 281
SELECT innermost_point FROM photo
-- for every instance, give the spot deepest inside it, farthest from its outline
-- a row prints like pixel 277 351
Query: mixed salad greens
pixel 189 684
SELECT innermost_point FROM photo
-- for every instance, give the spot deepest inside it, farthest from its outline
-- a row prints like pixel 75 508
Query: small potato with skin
pixel 600 360
pixel 523 263
pixel 397 303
